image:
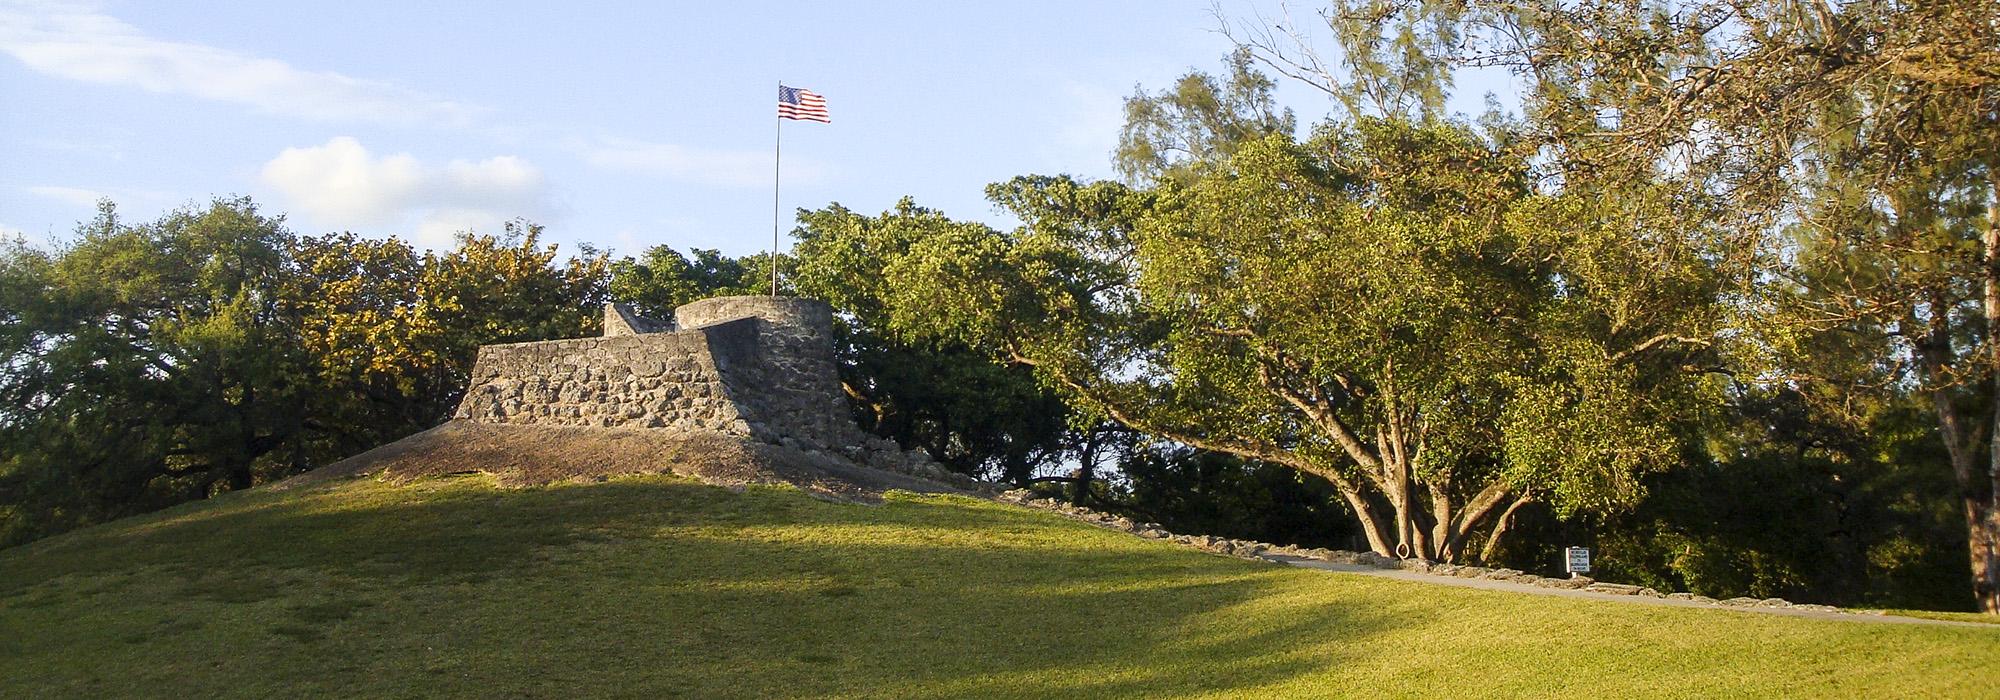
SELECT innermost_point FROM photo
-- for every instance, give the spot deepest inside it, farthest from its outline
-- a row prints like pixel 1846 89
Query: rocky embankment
pixel 1264 551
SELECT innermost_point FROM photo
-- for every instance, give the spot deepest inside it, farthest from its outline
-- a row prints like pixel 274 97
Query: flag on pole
pixel 800 103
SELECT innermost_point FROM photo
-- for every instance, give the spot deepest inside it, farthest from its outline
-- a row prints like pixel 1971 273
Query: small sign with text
pixel 1578 560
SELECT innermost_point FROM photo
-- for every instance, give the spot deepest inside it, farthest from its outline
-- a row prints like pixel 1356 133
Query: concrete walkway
pixel 1492 585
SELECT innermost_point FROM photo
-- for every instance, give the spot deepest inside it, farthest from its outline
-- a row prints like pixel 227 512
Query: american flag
pixel 800 103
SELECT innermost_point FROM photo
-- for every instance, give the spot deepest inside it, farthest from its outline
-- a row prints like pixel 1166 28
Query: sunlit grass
pixel 652 586
pixel 1980 618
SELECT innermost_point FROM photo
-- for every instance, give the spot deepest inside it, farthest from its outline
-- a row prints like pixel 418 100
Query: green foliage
pixel 1226 496
pixel 392 334
pixel 1198 121
pixel 973 415
pixel 1387 296
pixel 144 365
pixel 1837 160
pixel 1849 146
pixel 1806 509
pixel 662 278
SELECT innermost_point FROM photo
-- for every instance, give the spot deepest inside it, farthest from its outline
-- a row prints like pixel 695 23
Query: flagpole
pixel 777 162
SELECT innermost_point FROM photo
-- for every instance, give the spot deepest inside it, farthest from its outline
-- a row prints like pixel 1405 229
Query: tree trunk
pixel 1387 478
pixel 1440 491
pixel 1365 512
pixel 1390 450
pixel 1492 547
pixel 1404 547
pixel 1086 462
pixel 1984 541
pixel 1983 518
pixel 1933 354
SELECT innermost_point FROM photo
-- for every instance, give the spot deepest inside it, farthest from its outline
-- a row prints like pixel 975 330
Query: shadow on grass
pixel 654 587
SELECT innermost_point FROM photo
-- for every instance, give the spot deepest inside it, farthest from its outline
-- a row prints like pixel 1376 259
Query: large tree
pixel 391 333
pixel 144 365
pixel 1385 307
pixel 1851 143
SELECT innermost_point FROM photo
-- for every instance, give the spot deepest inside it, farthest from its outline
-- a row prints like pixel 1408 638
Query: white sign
pixel 1579 560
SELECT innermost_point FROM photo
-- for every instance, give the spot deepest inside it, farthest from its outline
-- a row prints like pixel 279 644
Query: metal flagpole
pixel 777 161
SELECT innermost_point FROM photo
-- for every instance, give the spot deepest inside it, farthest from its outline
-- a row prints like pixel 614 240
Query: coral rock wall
pixel 757 367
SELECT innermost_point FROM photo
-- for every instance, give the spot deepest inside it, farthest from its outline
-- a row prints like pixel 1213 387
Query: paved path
pixel 1491 585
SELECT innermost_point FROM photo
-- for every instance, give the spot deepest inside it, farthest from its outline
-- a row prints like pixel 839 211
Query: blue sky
pixel 625 125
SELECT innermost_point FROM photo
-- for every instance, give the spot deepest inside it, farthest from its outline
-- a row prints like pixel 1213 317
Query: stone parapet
pixel 657 380
pixel 621 319
pixel 758 367
pixel 804 317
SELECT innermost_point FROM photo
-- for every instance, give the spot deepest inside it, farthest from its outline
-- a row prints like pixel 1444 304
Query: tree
pixel 376 366
pixel 392 334
pixel 145 365
pixel 1852 142
pixel 508 289
pixel 1190 490
pixel 973 415
pixel 1199 120
pixel 1384 307
pixel 985 417
pixel 1799 505
pixel 662 279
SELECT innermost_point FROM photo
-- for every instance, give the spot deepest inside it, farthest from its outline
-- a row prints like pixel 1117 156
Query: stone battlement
pixel 757 367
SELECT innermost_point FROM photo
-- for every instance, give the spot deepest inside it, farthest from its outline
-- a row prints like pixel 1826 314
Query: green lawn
pixel 654 586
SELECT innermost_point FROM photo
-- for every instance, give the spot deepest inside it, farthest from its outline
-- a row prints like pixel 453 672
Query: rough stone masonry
pixel 755 367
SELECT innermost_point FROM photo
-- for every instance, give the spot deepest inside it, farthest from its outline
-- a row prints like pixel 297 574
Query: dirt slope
pixel 521 455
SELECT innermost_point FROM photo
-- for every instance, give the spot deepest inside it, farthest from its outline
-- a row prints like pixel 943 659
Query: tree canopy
pixel 212 350
pixel 1385 307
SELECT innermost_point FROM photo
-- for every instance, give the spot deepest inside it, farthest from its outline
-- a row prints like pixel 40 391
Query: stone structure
pixel 755 367
pixel 620 319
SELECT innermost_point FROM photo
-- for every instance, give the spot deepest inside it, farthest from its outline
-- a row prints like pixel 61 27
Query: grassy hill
pixel 660 587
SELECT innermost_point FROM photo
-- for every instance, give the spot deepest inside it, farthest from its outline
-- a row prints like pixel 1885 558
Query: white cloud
pixel 80 43
pixel 694 165
pixel 341 181
pixel 73 196
pixel 341 185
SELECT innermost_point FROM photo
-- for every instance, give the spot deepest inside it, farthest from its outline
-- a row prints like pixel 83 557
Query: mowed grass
pixel 659 587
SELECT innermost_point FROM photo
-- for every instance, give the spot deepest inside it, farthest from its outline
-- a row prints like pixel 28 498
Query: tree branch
pixel 1500 527
pixel 1246 449
pixel 1654 342
pixel 1476 510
